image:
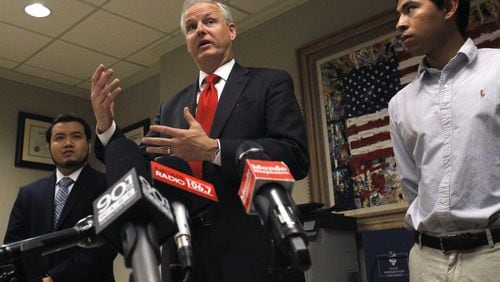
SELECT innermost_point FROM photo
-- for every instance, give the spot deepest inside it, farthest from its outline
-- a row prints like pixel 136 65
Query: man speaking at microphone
pixel 59 201
pixel 204 124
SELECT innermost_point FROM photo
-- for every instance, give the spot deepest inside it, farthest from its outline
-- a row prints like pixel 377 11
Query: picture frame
pixel 310 57
pixel 31 147
pixel 331 58
pixel 137 131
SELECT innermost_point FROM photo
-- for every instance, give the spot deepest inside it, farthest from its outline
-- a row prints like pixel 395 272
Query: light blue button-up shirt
pixel 445 130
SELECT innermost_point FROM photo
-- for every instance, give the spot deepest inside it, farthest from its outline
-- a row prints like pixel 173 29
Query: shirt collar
pixel 223 72
pixel 73 176
pixel 468 49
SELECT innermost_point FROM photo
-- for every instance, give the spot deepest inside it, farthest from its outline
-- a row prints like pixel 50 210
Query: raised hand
pixel 102 95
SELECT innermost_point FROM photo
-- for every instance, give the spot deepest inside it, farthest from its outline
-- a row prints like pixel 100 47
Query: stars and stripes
pixel 368 136
pixel 369 88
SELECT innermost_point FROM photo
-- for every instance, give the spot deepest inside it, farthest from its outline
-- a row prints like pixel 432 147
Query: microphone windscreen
pixel 121 156
pixel 249 150
pixel 130 198
pixel 175 163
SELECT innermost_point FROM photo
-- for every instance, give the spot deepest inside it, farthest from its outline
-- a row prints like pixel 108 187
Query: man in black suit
pixel 34 211
pixel 253 104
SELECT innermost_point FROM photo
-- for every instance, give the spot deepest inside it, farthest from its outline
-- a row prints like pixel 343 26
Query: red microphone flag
pixel 256 174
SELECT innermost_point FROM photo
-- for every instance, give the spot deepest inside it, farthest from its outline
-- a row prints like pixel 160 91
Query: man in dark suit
pixel 42 207
pixel 252 104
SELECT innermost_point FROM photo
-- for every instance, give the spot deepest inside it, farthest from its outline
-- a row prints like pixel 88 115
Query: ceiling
pixel 60 52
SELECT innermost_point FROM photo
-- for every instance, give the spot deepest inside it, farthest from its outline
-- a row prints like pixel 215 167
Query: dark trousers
pixel 208 266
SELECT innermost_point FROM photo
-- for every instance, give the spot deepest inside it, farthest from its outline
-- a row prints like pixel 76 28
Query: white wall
pixel 138 102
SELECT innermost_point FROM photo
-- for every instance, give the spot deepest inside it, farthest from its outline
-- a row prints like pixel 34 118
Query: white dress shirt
pixel 445 130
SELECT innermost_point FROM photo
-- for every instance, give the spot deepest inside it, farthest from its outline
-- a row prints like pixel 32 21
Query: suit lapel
pixel 230 95
pixel 48 193
pixel 190 99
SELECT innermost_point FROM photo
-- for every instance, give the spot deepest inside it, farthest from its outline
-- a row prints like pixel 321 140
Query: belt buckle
pixel 442 241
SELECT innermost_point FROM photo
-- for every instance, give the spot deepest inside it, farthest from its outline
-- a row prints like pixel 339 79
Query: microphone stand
pixel 141 251
pixel 283 266
pixel 172 268
pixel 30 251
pixel 82 234
pixel 288 237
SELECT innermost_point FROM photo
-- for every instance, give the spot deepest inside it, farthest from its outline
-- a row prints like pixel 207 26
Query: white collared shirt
pixel 445 130
pixel 73 176
pixel 223 72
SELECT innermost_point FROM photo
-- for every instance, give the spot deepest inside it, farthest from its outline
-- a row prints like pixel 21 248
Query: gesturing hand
pixel 190 144
pixel 102 95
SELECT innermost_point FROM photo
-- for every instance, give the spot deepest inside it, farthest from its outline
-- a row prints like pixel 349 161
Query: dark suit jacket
pixel 32 215
pixel 259 105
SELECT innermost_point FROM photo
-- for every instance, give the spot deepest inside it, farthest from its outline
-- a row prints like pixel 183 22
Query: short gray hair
pixel 222 7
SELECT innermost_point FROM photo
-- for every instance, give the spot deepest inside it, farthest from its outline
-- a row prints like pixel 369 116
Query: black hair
pixel 68 118
pixel 462 15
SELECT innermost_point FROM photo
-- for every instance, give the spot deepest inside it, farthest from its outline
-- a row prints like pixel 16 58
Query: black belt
pixel 458 242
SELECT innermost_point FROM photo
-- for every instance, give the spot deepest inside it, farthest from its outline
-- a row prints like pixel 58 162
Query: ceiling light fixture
pixel 37 10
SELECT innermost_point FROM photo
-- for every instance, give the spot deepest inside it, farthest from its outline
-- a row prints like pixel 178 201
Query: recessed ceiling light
pixel 37 10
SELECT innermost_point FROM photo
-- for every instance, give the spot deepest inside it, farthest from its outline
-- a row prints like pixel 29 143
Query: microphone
pixel 189 197
pixel 82 234
pixel 264 190
pixel 172 176
pixel 131 215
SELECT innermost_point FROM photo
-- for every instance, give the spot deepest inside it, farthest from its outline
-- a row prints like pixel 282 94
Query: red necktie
pixel 205 112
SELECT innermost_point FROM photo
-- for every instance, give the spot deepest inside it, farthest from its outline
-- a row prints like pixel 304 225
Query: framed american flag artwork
pixel 347 80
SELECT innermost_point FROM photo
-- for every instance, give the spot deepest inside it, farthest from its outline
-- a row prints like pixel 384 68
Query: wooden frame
pixel 136 131
pixel 31 147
